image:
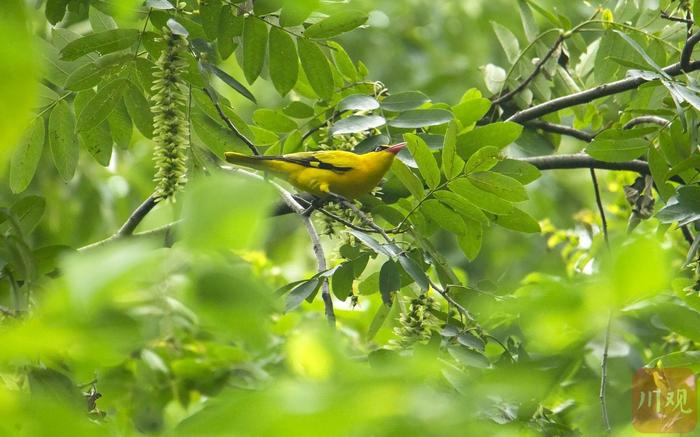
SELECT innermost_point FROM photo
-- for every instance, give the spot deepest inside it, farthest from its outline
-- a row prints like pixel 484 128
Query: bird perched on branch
pixel 326 173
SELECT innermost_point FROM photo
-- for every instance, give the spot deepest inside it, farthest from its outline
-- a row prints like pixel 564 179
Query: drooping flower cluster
pixel 170 124
pixel 416 324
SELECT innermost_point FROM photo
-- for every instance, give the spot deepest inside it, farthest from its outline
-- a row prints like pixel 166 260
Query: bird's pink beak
pixel 396 148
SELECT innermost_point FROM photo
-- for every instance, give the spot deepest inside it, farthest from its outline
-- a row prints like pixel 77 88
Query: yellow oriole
pixel 326 172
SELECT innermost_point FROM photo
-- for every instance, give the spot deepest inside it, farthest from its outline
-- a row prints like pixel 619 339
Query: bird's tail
pixel 247 161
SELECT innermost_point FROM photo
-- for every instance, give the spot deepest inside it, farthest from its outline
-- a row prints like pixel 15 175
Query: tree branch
pixel 604 377
pixel 581 160
pixel 228 122
pixel 137 216
pixel 608 89
pixel 318 251
pixel 599 203
pixel 165 232
pixel 562 130
pixel 646 119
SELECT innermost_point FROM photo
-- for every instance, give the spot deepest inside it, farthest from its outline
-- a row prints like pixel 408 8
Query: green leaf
pixel 683 208
pixel 462 206
pixel 470 242
pixel 416 118
pixel 404 101
pixel 102 42
pixel 471 341
pixel 254 47
pixel 498 135
pixel 26 157
pixel 98 142
pixel 28 211
pixel 528 20
pixel 471 111
pixel 295 12
pixel 343 62
pixel 98 109
pixel 389 281
pixel 301 292
pixel 358 102
pixel 501 185
pixel 230 26
pixel 483 199
pixel 215 136
pixel 643 53
pixel 336 24
pixel 445 217
pixel 62 140
pixel 508 41
pixel 356 123
pixel 370 242
pixel 483 159
pixel 264 7
pixel 55 10
pixel 518 220
pixel 230 81
pixel 316 67
pixel 618 150
pixel 21 54
pixel 139 110
pixel 121 129
pixel 100 21
pixel 518 170
pixel 414 271
pixel 209 14
pixel 452 165
pixel 88 75
pixel 408 179
pixel 427 165
pixel 468 357
pixel 298 109
pixel 284 64
pixel 273 120
pixel 343 278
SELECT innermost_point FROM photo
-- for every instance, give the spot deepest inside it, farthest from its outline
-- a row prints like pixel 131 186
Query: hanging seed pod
pixel 170 124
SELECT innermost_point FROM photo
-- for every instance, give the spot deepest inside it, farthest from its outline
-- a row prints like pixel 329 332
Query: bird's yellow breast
pixel 365 172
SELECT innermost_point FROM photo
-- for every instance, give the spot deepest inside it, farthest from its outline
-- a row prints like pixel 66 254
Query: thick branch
pixel 580 160
pixel 137 216
pixel 562 130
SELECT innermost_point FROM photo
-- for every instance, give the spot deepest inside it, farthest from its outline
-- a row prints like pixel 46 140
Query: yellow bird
pixel 328 172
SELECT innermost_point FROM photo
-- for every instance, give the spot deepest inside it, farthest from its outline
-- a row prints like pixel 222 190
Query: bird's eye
pixel 380 148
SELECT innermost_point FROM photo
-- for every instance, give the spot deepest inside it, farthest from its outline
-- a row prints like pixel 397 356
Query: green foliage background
pixel 209 320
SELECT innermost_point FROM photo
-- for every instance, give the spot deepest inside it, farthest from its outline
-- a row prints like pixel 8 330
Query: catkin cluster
pixel 415 325
pixel 170 124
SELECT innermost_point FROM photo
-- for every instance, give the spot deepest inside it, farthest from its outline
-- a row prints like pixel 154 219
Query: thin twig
pixel 668 17
pixel 137 216
pixel 581 160
pixel 229 124
pixel 562 130
pixel 604 377
pixel 164 232
pixel 601 211
pixel 318 251
pixel 538 67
